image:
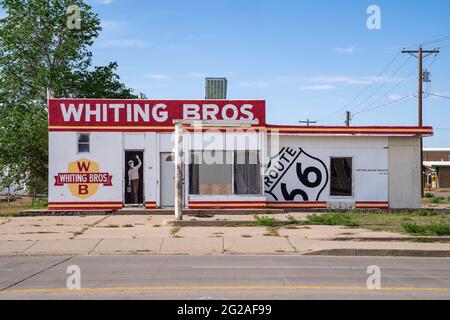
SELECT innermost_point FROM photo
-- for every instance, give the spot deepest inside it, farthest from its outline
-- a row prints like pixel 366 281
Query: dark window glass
pixel 341 177
pixel 247 176
pixel 83 143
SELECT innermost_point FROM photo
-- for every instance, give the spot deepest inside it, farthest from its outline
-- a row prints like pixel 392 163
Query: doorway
pixel 167 180
pixel 134 178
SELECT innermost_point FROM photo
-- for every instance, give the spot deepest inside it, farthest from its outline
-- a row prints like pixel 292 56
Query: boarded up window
pixel 341 177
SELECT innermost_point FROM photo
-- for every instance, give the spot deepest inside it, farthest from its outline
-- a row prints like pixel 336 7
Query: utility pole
pixel 348 118
pixel 420 55
pixel 308 122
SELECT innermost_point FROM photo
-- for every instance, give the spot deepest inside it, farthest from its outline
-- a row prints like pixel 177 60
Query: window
pixel 341 177
pixel 83 143
pixel 247 175
pixel 224 173
pixel 211 173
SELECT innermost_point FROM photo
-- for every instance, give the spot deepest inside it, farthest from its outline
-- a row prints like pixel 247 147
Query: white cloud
pixel 395 97
pixel 105 1
pixel 123 43
pixel 345 50
pixel 353 80
pixel 321 87
pixel 254 84
pixel 157 76
pixel 111 25
pixel 197 75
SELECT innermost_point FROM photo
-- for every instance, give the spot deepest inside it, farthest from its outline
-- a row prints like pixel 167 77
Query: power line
pixel 383 105
pixel 383 85
pixel 365 88
pixel 439 95
pixel 441 39
pixel 368 107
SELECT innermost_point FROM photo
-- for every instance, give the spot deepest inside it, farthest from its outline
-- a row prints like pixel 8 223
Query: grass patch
pixel 112 226
pixel 271 232
pixel 18 204
pixel 438 229
pixel 246 236
pixel 437 200
pixel 265 221
pixel 429 195
pixel 127 226
pixel 293 220
pixel 174 231
pixel 156 226
pixel 332 219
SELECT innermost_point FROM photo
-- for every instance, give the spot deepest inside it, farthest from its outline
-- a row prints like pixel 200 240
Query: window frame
pixel 233 189
pixel 79 134
pixel 352 196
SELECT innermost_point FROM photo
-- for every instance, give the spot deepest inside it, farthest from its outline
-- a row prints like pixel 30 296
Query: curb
pixel 380 253
pixel 443 239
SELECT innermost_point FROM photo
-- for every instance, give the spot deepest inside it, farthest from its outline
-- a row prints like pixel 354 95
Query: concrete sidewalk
pixel 123 235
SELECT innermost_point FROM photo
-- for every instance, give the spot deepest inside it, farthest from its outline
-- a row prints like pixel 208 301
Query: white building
pixel 234 160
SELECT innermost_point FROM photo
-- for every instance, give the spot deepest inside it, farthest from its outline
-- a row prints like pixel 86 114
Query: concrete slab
pixel 55 221
pixel 112 246
pixel 124 220
pixel 63 247
pixel 257 245
pixel 14 247
pixel 192 245
pixel 107 233
pixel 215 232
pixel 32 236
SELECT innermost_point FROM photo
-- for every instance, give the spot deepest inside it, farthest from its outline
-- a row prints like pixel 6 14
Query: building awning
pixel 436 164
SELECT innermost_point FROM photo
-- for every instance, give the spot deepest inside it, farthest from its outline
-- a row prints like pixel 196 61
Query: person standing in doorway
pixel 133 179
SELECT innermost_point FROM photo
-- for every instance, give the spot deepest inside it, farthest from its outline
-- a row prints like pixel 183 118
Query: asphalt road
pixel 224 277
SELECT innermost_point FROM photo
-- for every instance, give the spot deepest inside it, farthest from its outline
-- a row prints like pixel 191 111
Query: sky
pixel 307 58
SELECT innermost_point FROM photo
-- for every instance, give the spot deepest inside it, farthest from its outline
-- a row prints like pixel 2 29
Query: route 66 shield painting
pixel 294 175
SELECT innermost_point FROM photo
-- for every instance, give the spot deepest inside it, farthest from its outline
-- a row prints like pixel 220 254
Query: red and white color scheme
pixel 112 154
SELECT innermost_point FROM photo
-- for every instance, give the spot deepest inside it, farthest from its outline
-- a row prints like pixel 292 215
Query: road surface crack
pixel 35 274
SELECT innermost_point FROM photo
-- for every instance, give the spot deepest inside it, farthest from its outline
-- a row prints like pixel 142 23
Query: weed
pixel 265 221
pixel 429 195
pixel 439 229
pixel 156 226
pixel 293 220
pixel 332 219
pixel 246 236
pixel 437 200
pixel 271 232
pixel 127 226
pixel 174 231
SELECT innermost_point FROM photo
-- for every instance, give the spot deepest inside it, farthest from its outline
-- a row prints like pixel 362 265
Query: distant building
pixel 437 168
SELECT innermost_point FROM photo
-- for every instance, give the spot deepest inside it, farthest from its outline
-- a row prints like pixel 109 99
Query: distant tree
pixel 45 45
pixel 23 146
pixel 102 82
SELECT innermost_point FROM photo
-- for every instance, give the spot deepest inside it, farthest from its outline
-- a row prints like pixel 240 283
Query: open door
pixel 134 178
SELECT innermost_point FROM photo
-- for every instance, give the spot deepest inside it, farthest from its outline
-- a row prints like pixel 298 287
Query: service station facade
pixel 114 154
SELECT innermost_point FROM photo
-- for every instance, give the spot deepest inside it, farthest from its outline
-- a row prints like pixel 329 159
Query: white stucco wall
pixel 370 166
pixel 105 148
pixel 384 168
pixel 404 172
